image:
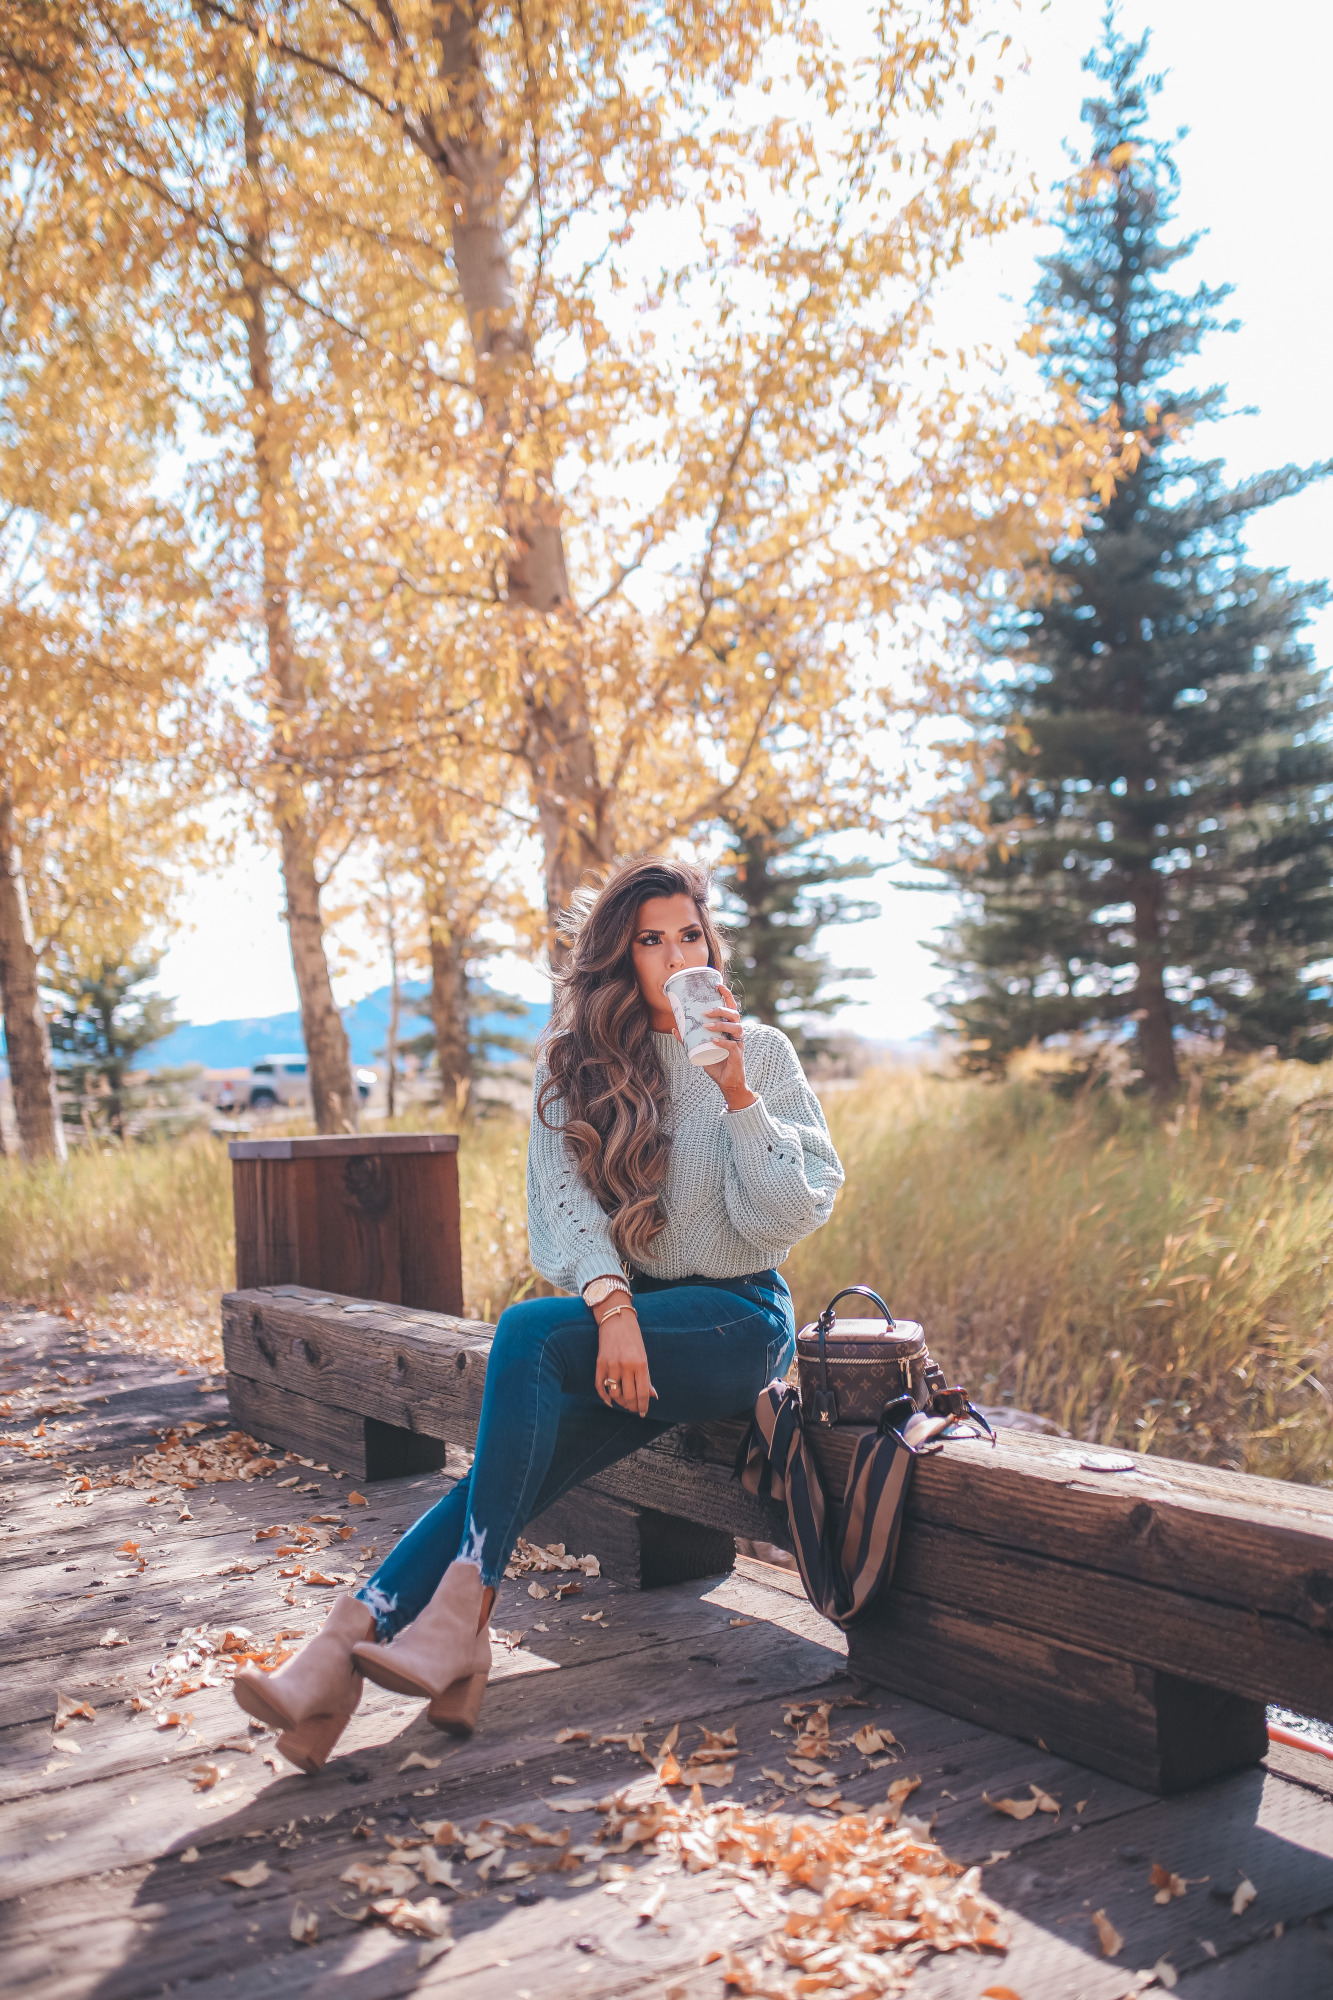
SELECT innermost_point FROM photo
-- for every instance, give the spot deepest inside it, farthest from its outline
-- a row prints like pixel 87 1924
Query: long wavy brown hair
pixel 599 1050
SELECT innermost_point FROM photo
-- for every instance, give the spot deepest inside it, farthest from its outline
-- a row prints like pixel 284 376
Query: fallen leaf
pixel 573 1736
pixel 869 1741
pixel 1166 1973
pixel 651 1904
pixel 809 1769
pixel 112 1638
pixel 1166 1884
pixel 591 1618
pixel 434 1948
pixel 668 1770
pixel 538 1590
pixel 190 1854
pixel 822 1799
pixel 899 1791
pixel 318 1578
pixel 1016 1808
pixel 304 1926
pixel 1107 1935
pixel 68 1750
pixel 68 1708
pixel 380 1878
pixel 1045 1803
pixel 734 1622
pixel 439 1873
pixel 999 1993
pixel 572 1805
pixel 708 1774
pixel 590 1566
pixel 568 1589
pixel 249 1878
pixel 204 1776
pixel 1244 1896
pixel 428 1918
pixel 540 1837
pixel 716 1739
pixel 416 1762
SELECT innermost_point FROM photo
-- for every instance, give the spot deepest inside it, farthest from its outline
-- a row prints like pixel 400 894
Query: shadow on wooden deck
pixel 100 1903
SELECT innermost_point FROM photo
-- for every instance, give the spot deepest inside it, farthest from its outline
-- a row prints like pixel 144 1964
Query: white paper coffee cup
pixel 693 991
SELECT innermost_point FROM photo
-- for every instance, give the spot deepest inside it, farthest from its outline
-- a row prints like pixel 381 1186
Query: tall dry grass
pixel 140 1238
pixel 1162 1288
pixel 1165 1289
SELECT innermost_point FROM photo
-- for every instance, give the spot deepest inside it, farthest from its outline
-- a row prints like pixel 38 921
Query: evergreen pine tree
pixel 780 897
pixel 1160 776
pixel 100 1025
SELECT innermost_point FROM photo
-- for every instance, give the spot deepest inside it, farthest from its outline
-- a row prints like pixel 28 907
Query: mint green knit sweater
pixel 741 1187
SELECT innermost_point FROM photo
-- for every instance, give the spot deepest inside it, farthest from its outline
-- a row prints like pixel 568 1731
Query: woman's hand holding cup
pixel 724 1023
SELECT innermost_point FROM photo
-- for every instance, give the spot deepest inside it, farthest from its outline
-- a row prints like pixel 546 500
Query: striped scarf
pixel 845 1554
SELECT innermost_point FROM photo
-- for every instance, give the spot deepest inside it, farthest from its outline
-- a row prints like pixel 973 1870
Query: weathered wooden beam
pixel 1115 1714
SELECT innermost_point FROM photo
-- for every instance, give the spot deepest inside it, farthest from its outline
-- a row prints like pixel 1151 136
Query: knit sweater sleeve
pixel 784 1171
pixel 569 1234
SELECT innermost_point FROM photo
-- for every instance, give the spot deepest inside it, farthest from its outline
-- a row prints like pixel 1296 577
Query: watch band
pixel 598 1289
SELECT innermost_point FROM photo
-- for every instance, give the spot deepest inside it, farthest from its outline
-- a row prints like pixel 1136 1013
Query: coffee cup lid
pixel 687 971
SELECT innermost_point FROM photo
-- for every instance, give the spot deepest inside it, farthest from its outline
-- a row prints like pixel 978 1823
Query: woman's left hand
pixel 724 1024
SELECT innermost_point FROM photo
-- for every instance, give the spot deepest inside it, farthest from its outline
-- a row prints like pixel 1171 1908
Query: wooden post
pixel 366 1217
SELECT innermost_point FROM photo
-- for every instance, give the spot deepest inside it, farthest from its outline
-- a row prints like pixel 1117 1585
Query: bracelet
pixel 611 1315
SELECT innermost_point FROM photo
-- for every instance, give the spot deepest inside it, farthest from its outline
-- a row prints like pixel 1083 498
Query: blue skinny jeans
pixel 712 1345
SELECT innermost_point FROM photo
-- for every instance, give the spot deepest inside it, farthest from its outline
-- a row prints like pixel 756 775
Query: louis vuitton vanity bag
pixel 850 1371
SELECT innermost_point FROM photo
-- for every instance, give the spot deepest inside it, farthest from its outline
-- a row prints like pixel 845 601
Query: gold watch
pixel 602 1288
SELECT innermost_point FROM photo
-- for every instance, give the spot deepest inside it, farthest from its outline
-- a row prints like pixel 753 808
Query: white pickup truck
pixel 283 1080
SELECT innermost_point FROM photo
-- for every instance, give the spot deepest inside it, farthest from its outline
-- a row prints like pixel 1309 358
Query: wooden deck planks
pixel 98 1904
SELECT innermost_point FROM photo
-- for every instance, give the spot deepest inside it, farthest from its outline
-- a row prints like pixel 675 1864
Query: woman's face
pixel 669 936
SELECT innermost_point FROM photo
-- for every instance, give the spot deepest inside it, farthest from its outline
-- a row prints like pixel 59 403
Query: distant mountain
pixel 238 1044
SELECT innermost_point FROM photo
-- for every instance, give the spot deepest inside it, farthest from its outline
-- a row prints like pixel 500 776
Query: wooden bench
pixel 1136 1622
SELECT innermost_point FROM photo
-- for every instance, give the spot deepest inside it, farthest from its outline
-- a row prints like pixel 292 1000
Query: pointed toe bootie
pixel 310 1698
pixel 440 1656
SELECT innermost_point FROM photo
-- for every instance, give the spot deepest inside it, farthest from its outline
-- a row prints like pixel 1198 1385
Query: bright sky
pixel 1253 97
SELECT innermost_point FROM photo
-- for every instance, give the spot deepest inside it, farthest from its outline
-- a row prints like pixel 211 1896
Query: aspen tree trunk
pixel 328 1053
pixel 449 1010
pixel 1157 1049
pixel 574 810
pixel 391 1039
pixel 32 1077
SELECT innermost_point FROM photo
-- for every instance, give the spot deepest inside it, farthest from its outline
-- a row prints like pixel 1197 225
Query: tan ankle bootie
pixel 310 1697
pixel 441 1655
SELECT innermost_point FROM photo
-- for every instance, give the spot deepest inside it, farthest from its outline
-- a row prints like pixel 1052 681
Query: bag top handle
pixel 827 1316
pixel 826 1320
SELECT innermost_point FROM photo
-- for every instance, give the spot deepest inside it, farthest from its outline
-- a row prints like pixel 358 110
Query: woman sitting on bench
pixel 656 1186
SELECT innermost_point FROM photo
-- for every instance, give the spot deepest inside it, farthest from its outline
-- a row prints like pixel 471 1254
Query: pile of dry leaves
pixel 185 1458
pixel 849 1905
pixel 854 1902
pixel 531 1556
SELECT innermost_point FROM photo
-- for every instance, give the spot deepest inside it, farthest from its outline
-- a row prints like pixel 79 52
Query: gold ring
pixel 609 1384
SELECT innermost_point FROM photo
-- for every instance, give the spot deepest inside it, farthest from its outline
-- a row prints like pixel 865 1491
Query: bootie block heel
pixel 311 1745
pixel 457 1709
pixel 441 1655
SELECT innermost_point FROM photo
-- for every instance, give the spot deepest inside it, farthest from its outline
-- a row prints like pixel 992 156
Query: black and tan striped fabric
pixel 845 1553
